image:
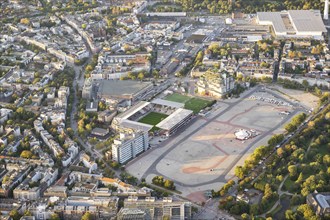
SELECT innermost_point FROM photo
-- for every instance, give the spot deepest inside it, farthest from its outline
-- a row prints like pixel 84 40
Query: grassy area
pixel 153 118
pixel 176 97
pixel 288 186
pixel 277 209
pixel 194 104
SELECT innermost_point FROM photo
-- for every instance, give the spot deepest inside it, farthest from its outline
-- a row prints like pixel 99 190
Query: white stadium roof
pixel 135 125
pixel 134 109
pixel 173 119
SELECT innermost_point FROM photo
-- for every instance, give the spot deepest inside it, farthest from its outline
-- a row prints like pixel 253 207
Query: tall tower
pixel 326 10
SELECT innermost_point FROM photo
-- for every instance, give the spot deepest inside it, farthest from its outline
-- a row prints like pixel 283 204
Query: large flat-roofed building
pixel 159 209
pixel 127 214
pixel 123 89
pixel 294 23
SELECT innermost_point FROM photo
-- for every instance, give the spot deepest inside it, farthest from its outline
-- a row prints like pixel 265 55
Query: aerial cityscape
pixel 161 110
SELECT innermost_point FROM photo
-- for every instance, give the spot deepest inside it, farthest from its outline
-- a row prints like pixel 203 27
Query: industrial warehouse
pixel 294 23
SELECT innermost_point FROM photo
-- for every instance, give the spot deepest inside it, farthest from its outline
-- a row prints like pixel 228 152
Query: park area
pixel 190 103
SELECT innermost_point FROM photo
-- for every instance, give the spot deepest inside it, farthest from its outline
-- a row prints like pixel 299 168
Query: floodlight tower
pixel 326 10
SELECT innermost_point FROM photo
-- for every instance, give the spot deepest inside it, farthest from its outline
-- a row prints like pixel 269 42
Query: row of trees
pixel 295 122
pixel 224 190
pixel 161 181
pixel 253 6
pixel 134 75
pixel 91 66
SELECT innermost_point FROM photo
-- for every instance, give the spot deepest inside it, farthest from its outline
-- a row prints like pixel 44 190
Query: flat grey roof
pixel 307 20
pixel 133 110
pixel 302 20
pixel 275 18
pixel 100 131
pixel 167 103
pixel 173 119
pixel 323 200
pixel 121 87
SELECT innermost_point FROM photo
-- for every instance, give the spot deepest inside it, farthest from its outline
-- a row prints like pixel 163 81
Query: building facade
pixel 129 146
pixel 215 84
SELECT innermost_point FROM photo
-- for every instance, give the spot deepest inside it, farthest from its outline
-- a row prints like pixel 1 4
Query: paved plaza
pixel 204 155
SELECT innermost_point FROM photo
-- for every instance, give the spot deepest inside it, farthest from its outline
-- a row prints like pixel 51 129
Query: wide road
pixel 153 170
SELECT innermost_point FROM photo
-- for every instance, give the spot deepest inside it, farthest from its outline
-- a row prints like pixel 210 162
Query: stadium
pixel 158 115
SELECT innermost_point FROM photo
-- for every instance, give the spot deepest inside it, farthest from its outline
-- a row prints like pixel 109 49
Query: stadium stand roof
pixel 172 120
pixel 133 110
pixel 135 125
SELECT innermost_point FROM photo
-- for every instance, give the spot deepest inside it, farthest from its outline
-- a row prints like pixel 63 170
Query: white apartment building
pixel 129 146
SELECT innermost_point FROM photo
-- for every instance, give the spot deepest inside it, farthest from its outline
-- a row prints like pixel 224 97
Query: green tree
pixel 89 68
pixel 54 217
pixel 239 172
pixel 25 21
pixel 141 76
pixel 245 216
pixel 293 170
pixel 290 127
pixel 27 213
pixel 290 215
pixel 305 83
pixel 306 211
pixel 102 106
pixel 26 154
pixel 14 214
pixel 255 209
pixel 87 216
pixel 199 58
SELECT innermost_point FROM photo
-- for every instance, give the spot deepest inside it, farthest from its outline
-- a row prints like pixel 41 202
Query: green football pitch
pixel 191 103
pixel 153 118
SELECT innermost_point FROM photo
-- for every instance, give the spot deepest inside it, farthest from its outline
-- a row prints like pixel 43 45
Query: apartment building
pixel 129 146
